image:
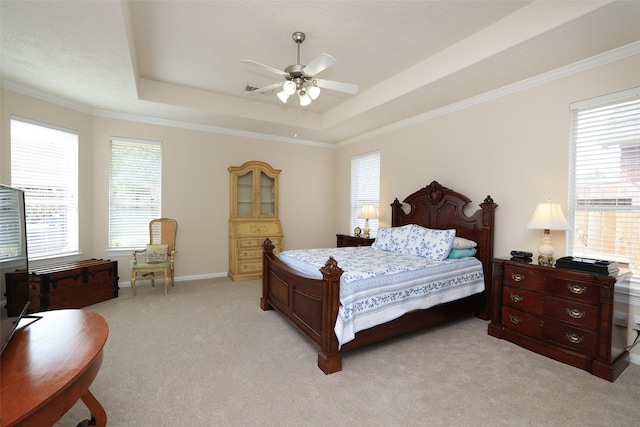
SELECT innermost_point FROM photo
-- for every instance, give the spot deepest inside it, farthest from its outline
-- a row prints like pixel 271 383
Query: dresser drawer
pixel 577 339
pixel 257 243
pixel 567 288
pixel 245 267
pixel 524 323
pixel 255 253
pixel 576 313
pixel 522 299
pixel 523 278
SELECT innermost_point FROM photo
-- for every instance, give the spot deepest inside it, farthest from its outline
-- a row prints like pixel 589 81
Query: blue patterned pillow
pixel 429 243
pixel 392 239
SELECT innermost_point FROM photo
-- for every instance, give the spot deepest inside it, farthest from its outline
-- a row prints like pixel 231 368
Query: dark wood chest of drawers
pixel 570 316
pixel 74 284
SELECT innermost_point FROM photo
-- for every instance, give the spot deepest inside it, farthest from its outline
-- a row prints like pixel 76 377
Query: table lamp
pixel 548 216
pixel 368 211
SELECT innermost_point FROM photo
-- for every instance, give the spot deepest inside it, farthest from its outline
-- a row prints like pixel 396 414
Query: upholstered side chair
pixel 158 256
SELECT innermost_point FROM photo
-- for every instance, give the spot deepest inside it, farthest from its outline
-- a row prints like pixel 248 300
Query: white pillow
pixel 462 243
pixel 392 239
pixel 430 243
pixel 157 253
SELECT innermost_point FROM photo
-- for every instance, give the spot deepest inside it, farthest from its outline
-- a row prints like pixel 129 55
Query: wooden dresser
pixel 253 217
pixel 569 316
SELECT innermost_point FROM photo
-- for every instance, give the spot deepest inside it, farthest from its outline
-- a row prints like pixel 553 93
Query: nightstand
pixel 343 240
pixel 570 316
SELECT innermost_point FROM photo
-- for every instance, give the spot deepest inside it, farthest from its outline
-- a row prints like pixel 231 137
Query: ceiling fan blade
pixel 319 64
pixel 265 88
pixel 266 67
pixel 340 87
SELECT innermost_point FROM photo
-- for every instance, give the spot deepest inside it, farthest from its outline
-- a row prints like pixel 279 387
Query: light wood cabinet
pixel 253 217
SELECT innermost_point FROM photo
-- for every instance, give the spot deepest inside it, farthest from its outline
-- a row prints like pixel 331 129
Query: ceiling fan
pixel 301 79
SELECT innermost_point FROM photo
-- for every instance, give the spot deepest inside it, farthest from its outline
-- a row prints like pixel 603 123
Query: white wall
pixel 195 184
pixel 514 148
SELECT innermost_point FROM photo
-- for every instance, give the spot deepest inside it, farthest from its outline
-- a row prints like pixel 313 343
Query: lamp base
pixel 546 260
pixel 366 229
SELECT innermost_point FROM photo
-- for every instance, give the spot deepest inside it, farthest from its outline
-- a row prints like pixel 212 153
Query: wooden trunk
pixel 17 291
pixel 73 284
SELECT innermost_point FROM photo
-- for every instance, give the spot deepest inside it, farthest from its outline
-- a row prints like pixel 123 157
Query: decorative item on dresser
pixel 311 303
pixel 253 217
pixel 547 216
pixel 573 317
pixel 368 212
pixel 343 240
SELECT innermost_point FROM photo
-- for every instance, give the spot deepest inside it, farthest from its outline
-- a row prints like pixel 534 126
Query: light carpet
pixel 207 355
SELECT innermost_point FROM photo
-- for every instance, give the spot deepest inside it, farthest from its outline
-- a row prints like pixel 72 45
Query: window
pixel 44 163
pixel 135 189
pixel 365 188
pixel 604 193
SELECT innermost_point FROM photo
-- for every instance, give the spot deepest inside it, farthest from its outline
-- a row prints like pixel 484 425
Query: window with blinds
pixel 365 188
pixel 44 163
pixel 135 189
pixel 604 193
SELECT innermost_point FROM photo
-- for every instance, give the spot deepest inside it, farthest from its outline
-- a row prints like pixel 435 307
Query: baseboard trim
pixel 127 284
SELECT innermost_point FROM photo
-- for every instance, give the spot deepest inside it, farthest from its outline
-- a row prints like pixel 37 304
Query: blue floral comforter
pixel 379 286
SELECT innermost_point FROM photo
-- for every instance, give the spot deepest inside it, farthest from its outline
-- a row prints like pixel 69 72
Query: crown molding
pixel 584 65
pixel 577 67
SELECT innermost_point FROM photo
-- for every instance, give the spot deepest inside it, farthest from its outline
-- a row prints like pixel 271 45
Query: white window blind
pixel 12 233
pixel 135 189
pixel 365 188
pixel 604 193
pixel 44 163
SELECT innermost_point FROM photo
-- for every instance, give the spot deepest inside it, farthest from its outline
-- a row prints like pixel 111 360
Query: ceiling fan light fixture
pixel 283 97
pixel 289 87
pixel 304 98
pixel 313 91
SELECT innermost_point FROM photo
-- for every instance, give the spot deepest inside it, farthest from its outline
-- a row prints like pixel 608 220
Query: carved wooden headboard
pixel 438 207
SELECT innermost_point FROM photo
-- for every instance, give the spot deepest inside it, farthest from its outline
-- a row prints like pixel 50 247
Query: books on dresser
pixel 589 265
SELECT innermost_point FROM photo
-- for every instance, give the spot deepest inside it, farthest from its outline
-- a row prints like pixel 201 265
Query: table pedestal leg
pixel 98 415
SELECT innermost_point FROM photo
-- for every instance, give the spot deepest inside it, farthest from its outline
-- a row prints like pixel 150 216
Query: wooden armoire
pixel 253 217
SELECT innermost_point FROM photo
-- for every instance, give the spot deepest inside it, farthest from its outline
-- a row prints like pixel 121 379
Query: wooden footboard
pixel 310 304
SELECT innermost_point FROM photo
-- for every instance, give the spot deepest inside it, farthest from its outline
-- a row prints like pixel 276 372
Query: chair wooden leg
pixel 166 283
pixel 133 284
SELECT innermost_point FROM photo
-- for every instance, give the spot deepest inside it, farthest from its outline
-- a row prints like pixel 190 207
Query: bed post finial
pixel 331 268
pixel 267 246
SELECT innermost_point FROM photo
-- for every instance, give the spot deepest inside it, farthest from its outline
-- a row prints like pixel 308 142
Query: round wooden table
pixel 49 365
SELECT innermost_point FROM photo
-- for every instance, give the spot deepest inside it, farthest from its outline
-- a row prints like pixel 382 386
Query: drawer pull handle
pixel 574 339
pixel 516 298
pixel 517 277
pixel 575 289
pixel 575 313
pixel 515 319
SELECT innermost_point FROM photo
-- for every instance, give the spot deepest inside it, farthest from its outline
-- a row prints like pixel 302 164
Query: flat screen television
pixel 14 265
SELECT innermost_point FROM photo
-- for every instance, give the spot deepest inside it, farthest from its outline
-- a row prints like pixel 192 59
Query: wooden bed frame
pixel 312 304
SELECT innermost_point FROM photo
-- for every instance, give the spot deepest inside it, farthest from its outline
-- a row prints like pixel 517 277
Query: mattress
pixel 379 286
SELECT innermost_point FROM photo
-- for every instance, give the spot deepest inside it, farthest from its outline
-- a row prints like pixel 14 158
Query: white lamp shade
pixel 367 212
pixel 283 97
pixel 548 216
pixel 314 92
pixel 289 87
pixel 304 98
